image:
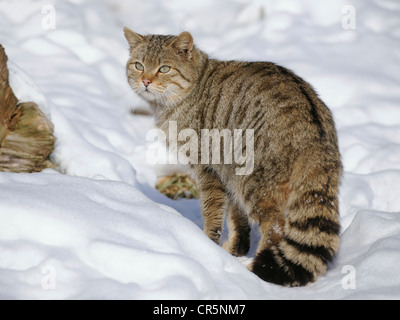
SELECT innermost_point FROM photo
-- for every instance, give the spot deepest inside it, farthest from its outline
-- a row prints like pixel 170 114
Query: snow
pixel 98 229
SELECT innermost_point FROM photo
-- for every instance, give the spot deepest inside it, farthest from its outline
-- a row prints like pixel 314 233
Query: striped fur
pixel 292 192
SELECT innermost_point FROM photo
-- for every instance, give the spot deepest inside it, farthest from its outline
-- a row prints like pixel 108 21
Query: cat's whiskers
pixel 167 101
pixel 164 99
pixel 168 90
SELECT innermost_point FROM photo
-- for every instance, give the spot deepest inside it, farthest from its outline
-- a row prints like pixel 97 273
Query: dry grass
pixel 178 186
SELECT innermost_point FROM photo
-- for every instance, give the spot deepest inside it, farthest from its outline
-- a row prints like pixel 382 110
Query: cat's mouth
pixel 148 94
pixel 148 91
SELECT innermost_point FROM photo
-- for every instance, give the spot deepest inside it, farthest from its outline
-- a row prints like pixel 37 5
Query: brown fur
pixel 292 193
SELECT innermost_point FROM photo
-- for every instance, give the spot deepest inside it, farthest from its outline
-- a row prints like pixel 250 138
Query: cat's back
pixel 262 96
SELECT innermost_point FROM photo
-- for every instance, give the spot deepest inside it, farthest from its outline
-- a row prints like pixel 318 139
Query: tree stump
pixel 26 135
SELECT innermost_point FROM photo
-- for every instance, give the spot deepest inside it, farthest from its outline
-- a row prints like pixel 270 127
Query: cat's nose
pixel 146 82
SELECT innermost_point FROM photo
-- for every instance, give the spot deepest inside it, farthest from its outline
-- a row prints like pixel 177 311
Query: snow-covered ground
pixel 99 229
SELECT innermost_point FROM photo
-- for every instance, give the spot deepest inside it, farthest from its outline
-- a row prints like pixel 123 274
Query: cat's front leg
pixel 238 243
pixel 213 199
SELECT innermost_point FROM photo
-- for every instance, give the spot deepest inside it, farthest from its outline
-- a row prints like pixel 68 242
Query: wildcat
pixel 292 193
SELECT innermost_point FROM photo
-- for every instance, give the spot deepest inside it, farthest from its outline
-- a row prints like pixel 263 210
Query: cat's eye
pixel 164 69
pixel 139 66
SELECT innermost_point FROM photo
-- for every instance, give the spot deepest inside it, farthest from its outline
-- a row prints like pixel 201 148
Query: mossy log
pixel 26 135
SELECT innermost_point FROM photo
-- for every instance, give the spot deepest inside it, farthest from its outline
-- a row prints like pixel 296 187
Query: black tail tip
pixel 284 272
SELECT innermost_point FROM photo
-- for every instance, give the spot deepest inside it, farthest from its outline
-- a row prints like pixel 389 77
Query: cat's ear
pixel 183 44
pixel 133 38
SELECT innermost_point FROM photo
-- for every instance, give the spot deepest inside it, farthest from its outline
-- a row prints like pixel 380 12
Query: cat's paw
pixel 214 235
pixel 237 249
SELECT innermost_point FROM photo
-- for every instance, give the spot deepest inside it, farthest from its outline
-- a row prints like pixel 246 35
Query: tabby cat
pixel 292 193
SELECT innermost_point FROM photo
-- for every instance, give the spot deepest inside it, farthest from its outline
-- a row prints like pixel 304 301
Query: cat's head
pixel 161 69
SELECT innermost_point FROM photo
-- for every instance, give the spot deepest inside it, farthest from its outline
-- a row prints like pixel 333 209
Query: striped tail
pixel 310 238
